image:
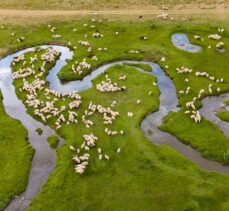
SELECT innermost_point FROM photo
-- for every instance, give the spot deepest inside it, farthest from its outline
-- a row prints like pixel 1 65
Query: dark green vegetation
pixel 223 113
pixel 142 176
pixel 53 141
pixel 39 131
pixel 15 157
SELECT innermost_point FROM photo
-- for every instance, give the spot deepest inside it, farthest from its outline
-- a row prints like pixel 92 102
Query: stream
pixel 45 158
pixel 182 42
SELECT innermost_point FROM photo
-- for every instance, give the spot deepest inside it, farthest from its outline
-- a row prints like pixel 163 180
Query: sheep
pixel 84 43
pixel 97 35
pixel 100 157
pixel 220 30
pixel 186 80
pixel 110 132
pixel 138 102
pixel 197 37
pixel 113 103
pixel 210 88
pixel 121 132
pixel 144 38
pixel 72 117
pixel 107 157
pixel 130 114
pixel 134 51
pixel 23 73
pixel 102 49
pixel 220 45
pixel 53 29
pixel 163 16
pixel 56 36
pixel 122 77
pixel 81 66
pixel 75 104
pixel 90 139
pixel 187 112
pixel 76 159
pixel 20 39
pixel 72 148
pixel 183 70
pixel 94 58
pixel 187 90
pixel 50 55
pixel 163 59
pixel 108 86
pixel 214 37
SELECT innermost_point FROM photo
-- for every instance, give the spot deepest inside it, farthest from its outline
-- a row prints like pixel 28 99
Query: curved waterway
pixel 182 42
pixel 45 158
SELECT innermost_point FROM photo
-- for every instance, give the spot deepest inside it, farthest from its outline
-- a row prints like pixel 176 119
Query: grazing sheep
pixel 183 70
pixel 107 157
pixel 214 37
pixel 108 86
pixel 72 148
pixel 130 114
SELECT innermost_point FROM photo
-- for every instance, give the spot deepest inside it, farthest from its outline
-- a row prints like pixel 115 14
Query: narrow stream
pixel 210 106
pixel 45 158
pixel 182 42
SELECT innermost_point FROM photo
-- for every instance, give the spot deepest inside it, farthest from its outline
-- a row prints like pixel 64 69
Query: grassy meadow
pixel 143 176
pixel 15 157
pixel 224 115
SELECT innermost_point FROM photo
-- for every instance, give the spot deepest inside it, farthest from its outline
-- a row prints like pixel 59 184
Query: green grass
pixel 224 115
pixel 145 67
pixel 200 136
pixel 142 176
pixel 53 141
pixel 15 157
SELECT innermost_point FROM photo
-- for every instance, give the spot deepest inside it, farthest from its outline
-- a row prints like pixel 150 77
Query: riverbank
pixel 144 174
pixel 16 155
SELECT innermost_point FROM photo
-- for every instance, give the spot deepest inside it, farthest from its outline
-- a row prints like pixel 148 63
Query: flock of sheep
pixel 109 86
pixel 47 108
pixel 191 108
pixel 220 45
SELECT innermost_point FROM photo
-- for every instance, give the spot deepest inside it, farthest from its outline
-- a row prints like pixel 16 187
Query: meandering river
pixel 45 158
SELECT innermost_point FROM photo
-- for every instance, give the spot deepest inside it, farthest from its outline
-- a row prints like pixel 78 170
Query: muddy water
pixel 45 158
pixel 182 42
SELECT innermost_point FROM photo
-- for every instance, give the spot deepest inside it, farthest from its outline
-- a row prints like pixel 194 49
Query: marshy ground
pixel 138 174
